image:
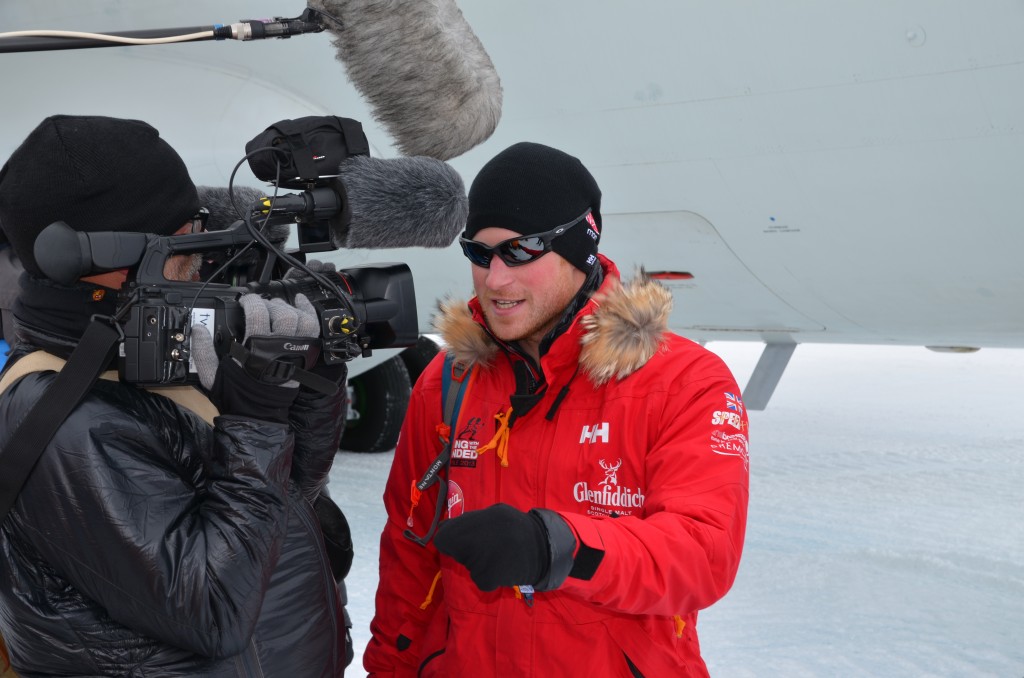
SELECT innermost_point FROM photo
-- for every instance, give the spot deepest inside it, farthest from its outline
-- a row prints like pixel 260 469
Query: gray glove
pixel 233 388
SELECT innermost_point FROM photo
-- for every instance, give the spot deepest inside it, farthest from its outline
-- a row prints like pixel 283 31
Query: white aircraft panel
pixel 723 296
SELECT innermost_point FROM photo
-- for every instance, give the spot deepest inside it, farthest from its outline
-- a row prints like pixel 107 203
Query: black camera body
pixel 359 309
pixel 380 313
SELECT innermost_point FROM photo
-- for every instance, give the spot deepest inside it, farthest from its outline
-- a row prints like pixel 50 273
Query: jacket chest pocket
pixel 601 469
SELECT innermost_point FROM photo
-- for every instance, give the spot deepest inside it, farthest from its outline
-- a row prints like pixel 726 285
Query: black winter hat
pixel 531 188
pixel 96 174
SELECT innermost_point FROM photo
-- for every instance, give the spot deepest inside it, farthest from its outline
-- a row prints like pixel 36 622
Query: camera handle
pixel 273 359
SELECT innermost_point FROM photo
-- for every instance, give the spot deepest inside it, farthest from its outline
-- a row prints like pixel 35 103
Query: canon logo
pixel 296 347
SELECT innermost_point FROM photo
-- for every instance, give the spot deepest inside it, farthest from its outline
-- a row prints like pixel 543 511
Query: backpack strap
pixel 37 428
pixel 40 424
pixel 452 400
pixel 40 361
pixel 457 372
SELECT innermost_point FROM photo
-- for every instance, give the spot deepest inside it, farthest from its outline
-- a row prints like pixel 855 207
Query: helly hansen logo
pixel 591 434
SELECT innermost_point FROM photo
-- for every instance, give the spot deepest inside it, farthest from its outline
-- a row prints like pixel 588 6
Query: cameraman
pixel 10 269
pixel 148 540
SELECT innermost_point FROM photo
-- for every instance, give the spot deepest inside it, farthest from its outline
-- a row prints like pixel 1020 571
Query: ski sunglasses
pixel 519 250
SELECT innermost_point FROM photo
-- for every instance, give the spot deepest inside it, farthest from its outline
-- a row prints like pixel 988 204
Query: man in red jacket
pixel 596 493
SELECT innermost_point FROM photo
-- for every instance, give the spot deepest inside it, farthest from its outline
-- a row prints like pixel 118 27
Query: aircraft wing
pixel 793 173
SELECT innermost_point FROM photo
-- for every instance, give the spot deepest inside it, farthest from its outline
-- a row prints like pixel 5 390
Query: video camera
pixel 359 309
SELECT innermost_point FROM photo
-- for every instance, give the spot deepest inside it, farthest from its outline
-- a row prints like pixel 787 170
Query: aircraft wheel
pixel 378 399
pixel 416 358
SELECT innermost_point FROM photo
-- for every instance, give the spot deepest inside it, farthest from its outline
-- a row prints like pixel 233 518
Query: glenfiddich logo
pixel 608 496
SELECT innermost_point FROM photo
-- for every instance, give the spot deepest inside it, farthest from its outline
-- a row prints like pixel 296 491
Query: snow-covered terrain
pixel 886 529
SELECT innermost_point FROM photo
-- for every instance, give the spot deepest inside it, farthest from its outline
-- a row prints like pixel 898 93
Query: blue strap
pixel 446 382
pixel 450 372
pixel 451 402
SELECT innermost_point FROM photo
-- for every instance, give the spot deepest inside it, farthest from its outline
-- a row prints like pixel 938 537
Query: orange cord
pixel 430 594
pixel 500 439
pixel 443 431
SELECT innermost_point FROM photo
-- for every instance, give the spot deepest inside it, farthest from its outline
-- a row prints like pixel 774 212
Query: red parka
pixel 639 442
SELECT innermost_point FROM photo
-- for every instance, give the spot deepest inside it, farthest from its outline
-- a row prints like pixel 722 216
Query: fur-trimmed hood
pixel 620 329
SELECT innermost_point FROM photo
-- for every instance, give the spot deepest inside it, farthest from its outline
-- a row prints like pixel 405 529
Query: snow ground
pixel 886 528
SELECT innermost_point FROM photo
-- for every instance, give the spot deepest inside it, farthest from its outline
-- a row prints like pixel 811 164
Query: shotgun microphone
pixel 425 74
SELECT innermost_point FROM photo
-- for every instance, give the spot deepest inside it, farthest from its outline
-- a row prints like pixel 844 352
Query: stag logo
pixel 610 475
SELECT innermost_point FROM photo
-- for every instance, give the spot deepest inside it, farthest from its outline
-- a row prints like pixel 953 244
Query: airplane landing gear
pixel 379 397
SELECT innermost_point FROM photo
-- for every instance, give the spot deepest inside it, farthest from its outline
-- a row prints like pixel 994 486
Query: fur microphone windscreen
pixel 427 77
pixel 402 202
pixel 223 213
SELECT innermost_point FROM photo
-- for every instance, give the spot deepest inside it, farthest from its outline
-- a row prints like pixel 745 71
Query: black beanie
pixel 531 188
pixel 96 174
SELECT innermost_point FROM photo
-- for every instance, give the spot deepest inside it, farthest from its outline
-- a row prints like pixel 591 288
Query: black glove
pixel 502 546
pixel 236 390
pixel 335 372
